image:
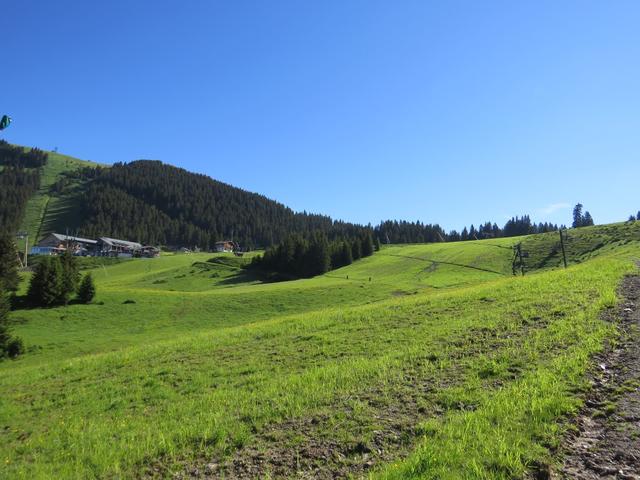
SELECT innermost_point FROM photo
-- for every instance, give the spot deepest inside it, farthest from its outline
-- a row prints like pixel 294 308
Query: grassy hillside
pixel 47 212
pixel 422 361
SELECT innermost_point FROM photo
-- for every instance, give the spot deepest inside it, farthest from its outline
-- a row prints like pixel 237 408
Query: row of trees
pixel 417 232
pixel 301 256
pixel 633 218
pixel 11 155
pixel 56 279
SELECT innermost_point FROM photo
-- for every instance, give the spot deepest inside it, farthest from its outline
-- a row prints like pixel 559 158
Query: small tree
pixel 70 275
pixel 87 289
pixel 638 215
pixel 46 287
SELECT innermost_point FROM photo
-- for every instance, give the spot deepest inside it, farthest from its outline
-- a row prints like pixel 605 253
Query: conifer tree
pixel 577 216
pixel 87 289
pixel 376 243
pixel 587 221
pixel 638 215
pixel 346 257
pixel 9 278
pixel 366 244
pixel 356 249
pixel 70 275
pixel 10 346
pixel 46 287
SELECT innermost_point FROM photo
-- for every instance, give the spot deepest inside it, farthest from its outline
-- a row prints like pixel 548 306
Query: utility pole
pixel 25 236
pixel 564 255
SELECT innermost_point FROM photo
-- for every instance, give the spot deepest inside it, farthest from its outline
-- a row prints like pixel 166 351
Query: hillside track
pixel 606 444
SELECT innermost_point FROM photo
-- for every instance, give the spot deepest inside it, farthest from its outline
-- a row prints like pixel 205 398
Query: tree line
pixel 11 155
pixel 306 256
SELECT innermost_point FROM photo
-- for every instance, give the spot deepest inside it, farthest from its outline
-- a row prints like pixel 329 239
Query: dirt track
pixel 607 443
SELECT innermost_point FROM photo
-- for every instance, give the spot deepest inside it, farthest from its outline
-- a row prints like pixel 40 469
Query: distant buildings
pixel 56 243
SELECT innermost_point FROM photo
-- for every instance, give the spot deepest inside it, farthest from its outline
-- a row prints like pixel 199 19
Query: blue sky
pixel 453 112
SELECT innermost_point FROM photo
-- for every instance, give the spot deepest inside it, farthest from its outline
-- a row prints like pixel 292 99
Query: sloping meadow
pixel 498 365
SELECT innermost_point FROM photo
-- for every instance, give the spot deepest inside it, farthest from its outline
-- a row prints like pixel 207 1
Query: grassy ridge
pixel 208 357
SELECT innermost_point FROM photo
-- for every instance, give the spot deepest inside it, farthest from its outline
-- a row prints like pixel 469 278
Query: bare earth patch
pixel 606 444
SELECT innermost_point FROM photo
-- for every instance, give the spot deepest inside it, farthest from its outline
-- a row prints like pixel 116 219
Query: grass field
pixel 422 361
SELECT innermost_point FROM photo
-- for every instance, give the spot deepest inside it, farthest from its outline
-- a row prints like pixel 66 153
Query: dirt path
pixel 607 442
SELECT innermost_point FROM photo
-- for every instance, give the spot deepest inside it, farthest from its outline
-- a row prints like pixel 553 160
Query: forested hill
pixel 161 204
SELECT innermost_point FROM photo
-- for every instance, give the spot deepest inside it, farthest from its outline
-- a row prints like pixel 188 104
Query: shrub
pixel 15 347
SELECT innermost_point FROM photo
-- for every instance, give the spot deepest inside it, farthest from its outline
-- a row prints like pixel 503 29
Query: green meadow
pixel 187 360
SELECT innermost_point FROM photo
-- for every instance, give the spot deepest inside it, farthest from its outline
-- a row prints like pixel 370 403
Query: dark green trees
pixel 45 288
pixel 306 257
pixel 580 220
pixel 54 281
pixel 87 289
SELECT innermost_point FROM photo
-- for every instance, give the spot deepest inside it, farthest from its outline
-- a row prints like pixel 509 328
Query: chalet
pixel 56 243
pixel 224 246
pixel 112 247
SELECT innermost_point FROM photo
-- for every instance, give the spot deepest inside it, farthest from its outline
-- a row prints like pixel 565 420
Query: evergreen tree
pixel 346 256
pixel 10 346
pixel 376 243
pixel 87 289
pixel 366 243
pixel 577 216
pixel 9 278
pixel 631 218
pixel 46 287
pixel 587 221
pixel 356 249
pixel 638 215
pixel 70 275
pixel 318 257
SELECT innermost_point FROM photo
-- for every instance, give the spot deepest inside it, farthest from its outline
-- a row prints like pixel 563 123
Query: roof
pixel 222 242
pixel 120 243
pixel 68 238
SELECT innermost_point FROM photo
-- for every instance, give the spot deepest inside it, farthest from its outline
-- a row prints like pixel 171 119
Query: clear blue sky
pixel 452 112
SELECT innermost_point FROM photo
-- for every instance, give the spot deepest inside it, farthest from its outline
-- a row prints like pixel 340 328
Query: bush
pixel 87 289
pixel 15 347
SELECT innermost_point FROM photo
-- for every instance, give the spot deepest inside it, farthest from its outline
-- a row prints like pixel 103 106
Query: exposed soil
pixel 606 444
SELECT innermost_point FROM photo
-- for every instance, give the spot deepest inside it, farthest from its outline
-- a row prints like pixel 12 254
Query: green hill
pixel 421 361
